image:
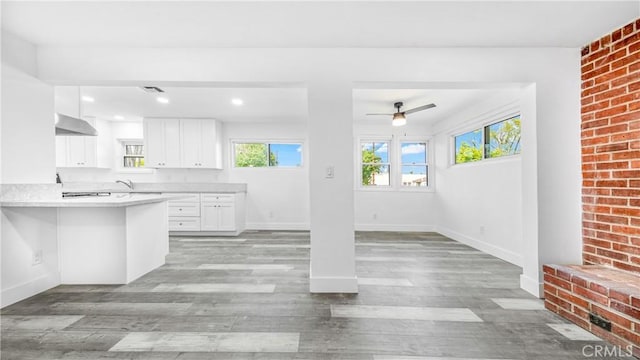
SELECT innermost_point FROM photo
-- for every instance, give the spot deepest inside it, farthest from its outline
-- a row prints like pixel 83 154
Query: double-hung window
pixel 414 164
pixel 395 163
pixel 375 165
pixel 133 154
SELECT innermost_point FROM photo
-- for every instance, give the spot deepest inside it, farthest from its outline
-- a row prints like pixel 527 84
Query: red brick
pixel 565 295
pixel 612 255
pixel 557 282
pixel 573 318
pixel 611 200
pixel 616 77
pixel 633 154
pixel 625 98
pixel 629 116
pixel 613 147
pixel 620 296
pixel 611 316
pixel 599 243
pixel 627 249
pixel 594 123
pixel 626 136
pixel 591 295
pixel 625 266
pixel 613 128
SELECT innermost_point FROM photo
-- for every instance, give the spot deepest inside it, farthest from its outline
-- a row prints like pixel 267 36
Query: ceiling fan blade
pixel 420 108
pixel 380 114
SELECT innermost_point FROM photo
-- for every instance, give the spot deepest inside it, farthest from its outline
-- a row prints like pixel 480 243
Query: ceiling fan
pixel 399 117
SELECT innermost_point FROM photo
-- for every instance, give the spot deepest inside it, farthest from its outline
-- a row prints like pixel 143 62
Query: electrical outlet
pixel 271 215
pixel 37 257
pixel 375 216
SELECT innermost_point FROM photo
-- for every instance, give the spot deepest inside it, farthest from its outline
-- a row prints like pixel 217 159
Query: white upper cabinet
pixel 84 151
pixel 200 145
pixel 184 143
pixel 162 142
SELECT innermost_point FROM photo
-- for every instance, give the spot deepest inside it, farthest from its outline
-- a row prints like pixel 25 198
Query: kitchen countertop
pixel 114 200
pixel 157 187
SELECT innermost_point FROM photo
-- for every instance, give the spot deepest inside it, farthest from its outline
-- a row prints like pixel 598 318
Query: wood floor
pixel 422 296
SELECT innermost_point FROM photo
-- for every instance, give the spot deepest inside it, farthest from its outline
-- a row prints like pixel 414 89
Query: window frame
pixel 120 168
pixel 395 163
pixel 389 163
pixel 483 127
pixel 268 143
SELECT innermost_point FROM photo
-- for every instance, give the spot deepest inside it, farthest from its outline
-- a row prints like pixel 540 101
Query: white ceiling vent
pixel 151 89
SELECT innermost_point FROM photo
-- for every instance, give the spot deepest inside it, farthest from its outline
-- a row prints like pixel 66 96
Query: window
pixel 375 163
pixel 133 154
pixel 495 140
pixel 503 138
pixel 264 154
pixel 414 164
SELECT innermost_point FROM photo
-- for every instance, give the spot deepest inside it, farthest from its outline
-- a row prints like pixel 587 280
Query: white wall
pixel 27 156
pixel 27 117
pixel 480 203
pixel 393 210
pixel 277 198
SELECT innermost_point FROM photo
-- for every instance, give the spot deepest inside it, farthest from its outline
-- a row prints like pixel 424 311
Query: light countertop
pixel 114 200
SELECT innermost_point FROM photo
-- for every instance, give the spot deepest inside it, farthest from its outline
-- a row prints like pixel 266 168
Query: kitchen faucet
pixel 127 182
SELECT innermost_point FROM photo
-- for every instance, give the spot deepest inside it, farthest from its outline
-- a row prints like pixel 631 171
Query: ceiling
pixel 133 104
pixel 280 105
pixel 316 24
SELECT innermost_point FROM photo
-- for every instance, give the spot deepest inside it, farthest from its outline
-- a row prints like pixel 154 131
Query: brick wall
pixel 611 149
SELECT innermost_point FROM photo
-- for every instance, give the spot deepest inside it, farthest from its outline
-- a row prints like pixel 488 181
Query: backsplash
pixel 143 175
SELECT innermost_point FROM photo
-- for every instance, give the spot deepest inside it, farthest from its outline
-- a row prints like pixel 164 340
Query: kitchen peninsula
pixel 88 240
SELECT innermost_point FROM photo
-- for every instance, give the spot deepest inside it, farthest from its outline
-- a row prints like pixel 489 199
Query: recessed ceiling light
pixel 162 100
pixel 118 117
pixel 86 98
pixel 237 101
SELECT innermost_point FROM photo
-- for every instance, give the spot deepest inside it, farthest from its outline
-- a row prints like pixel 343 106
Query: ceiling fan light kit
pixel 399 119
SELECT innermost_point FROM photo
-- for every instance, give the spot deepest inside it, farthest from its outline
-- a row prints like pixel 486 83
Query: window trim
pixel 232 152
pixel 482 125
pixel 395 163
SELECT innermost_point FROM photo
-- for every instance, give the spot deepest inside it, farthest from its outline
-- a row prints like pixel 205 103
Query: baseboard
pixel 28 289
pixel 498 252
pixel 532 286
pixel 278 226
pixel 395 227
pixel 333 284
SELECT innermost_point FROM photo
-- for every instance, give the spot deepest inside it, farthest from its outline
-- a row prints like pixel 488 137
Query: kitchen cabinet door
pixel 217 217
pixel 154 142
pixel 162 143
pixel 191 132
pixel 172 143
pixel 200 143
pixel 210 156
pixel 226 217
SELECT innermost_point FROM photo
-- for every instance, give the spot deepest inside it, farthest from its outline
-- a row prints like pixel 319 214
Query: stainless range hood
pixel 70 126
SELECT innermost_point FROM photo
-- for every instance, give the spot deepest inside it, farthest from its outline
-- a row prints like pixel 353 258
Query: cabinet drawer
pixel 184 223
pixel 185 198
pixel 218 197
pixel 184 209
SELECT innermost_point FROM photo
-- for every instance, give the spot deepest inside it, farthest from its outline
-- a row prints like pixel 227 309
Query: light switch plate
pixel 329 173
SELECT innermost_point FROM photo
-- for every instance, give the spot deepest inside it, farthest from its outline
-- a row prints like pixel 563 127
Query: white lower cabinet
pixel 208 213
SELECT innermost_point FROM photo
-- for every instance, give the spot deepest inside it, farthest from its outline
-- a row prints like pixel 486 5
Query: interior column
pixel 331 154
